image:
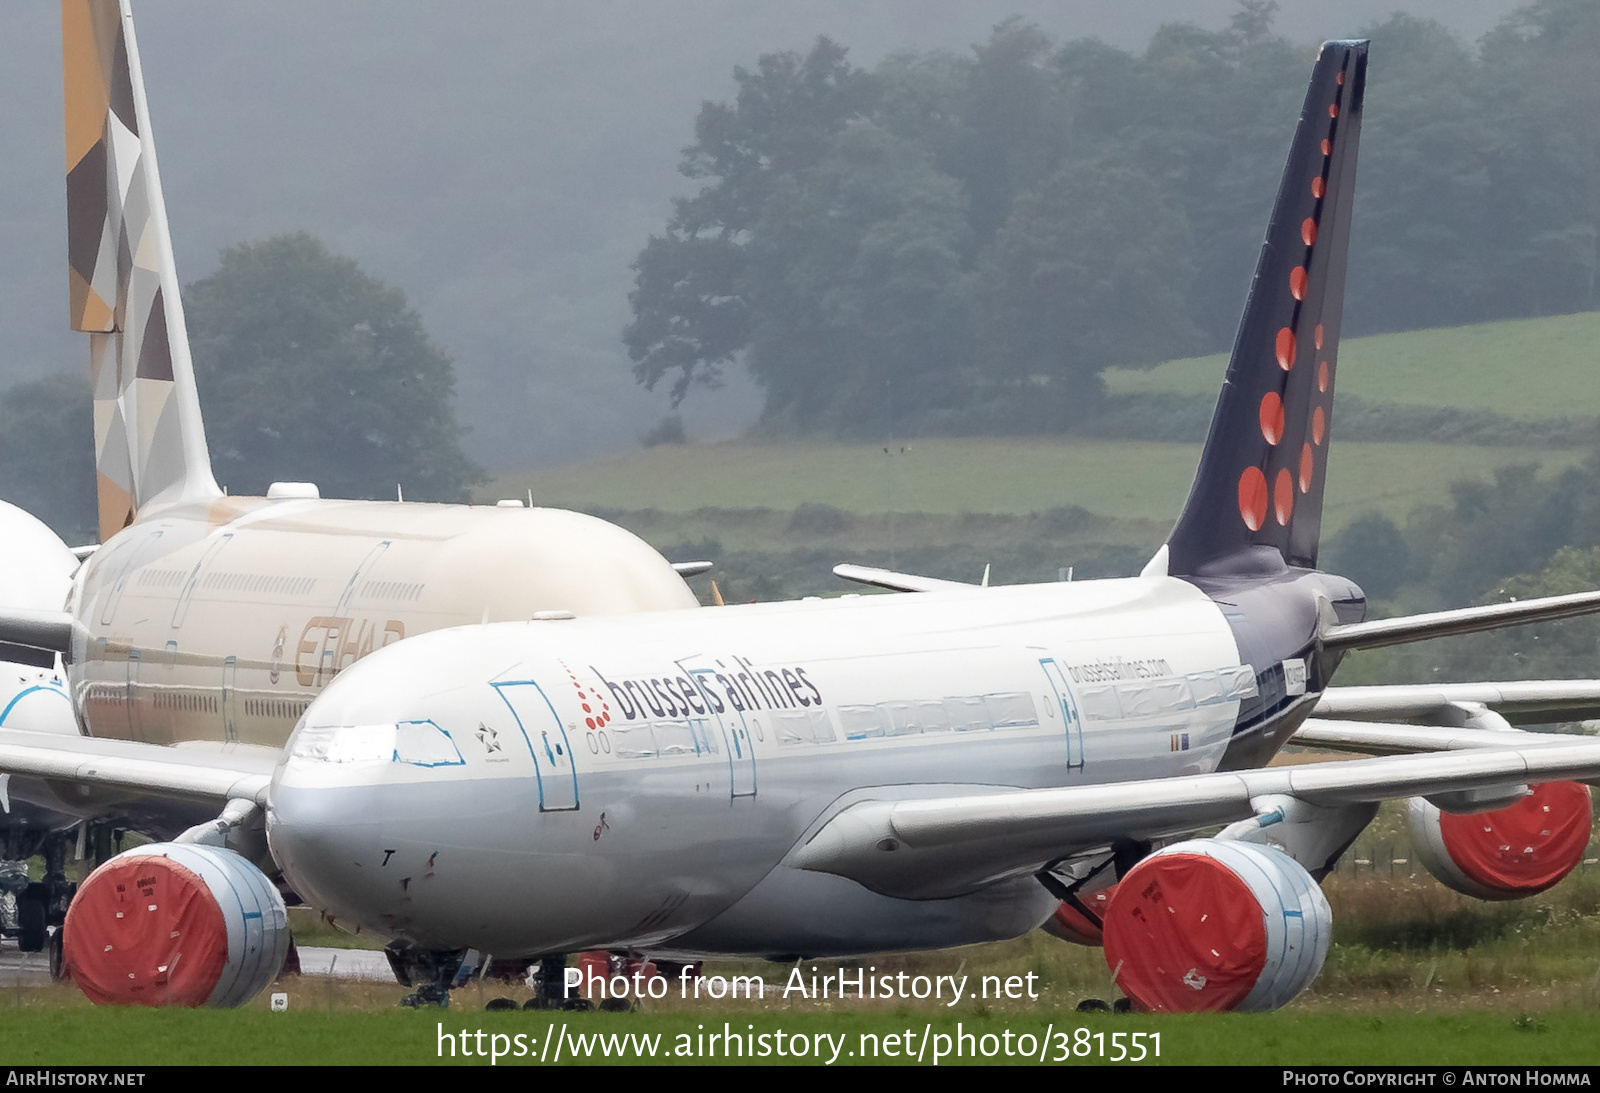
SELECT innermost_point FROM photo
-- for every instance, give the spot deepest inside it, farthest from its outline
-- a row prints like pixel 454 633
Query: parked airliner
pixel 871 773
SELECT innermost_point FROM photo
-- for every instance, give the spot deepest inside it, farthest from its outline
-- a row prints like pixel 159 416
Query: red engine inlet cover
pixel 145 931
pixel 1212 924
pixel 1187 935
pixel 1526 848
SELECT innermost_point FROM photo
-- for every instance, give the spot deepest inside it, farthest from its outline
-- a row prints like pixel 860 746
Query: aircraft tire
pixel 31 909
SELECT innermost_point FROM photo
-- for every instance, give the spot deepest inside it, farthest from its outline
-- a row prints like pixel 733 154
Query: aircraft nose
pixel 324 812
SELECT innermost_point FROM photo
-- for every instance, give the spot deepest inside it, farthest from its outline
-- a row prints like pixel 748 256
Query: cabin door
pixel 547 743
pixel 1071 722
pixel 735 736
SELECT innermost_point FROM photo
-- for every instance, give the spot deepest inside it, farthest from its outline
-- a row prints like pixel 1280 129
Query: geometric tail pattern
pixel 149 439
pixel 1261 475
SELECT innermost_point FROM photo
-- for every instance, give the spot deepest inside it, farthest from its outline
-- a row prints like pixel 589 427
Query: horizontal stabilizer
pixel 896 582
pixel 1466 620
pixel 691 569
pixel 947 846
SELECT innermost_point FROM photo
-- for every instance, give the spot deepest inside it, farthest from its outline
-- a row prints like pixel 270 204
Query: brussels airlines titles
pixel 747 688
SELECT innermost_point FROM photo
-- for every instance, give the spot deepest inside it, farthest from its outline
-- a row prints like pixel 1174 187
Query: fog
pixel 502 163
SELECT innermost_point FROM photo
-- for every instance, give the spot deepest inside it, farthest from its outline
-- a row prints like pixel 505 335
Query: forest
pixel 964 243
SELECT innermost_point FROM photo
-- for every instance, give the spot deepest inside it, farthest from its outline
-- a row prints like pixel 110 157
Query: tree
pixel 47 453
pixel 856 286
pixel 310 370
pixel 1088 272
pixel 690 312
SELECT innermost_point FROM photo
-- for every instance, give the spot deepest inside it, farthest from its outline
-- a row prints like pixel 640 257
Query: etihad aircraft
pixel 213 618
pixel 872 773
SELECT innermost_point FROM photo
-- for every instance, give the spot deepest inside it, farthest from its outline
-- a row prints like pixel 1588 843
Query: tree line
pixel 964 243
pixel 308 370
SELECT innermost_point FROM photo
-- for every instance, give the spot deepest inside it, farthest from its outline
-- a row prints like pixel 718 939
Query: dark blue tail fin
pixel 1261 475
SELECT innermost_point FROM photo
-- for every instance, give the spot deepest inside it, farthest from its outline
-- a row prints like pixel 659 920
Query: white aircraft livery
pixel 871 773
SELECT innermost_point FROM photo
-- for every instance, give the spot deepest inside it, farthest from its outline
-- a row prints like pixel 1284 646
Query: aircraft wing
pixel 203 776
pixel 896 582
pixel 1523 702
pixel 938 847
pixel 47 631
pixel 1377 738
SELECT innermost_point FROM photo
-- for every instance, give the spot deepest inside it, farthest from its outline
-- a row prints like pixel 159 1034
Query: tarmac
pixel 19 969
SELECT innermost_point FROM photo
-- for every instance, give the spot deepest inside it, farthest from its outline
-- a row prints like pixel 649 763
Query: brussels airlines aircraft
pixel 878 773
pixel 205 617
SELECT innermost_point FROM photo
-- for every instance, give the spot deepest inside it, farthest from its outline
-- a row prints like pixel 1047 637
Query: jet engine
pixel 1511 852
pixel 1209 925
pixel 1071 924
pixel 176 924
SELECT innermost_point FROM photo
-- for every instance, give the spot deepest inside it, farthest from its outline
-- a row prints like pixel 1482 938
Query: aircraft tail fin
pixel 1261 475
pixel 149 438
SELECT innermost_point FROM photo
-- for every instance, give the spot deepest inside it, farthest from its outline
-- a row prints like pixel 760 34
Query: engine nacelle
pixel 176 924
pixel 1509 853
pixel 1210 925
pixel 1070 924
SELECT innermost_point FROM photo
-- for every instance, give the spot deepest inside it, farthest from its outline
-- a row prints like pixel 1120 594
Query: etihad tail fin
pixel 1261 475
pixel 149 439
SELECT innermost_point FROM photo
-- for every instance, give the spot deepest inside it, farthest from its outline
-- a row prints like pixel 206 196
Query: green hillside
pixel 1532 370
pixel 1137 480
pixel 1527 368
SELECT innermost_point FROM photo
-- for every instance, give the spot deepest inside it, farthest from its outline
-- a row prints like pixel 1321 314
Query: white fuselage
pixel 36 575
pixel 221 621
pixel 556 785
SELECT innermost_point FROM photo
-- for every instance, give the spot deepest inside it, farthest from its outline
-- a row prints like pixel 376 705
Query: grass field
pixel 1417 975
pixel 1537 369
pixel 1528 368
pixel 1005 475
pixel 1398 988
pixel 44 1033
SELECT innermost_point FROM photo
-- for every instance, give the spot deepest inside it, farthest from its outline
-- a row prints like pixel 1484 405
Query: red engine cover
pixel 145 931
pixel 1525 848
pixel 1185 934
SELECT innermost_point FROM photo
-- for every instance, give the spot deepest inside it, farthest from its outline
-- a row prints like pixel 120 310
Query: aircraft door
pixel 547 742
pixel 1071 722
pixel 735 738
pixel 132 556
pixel 135 729
pixel 230 690
pixel 182 609
pixel 342 608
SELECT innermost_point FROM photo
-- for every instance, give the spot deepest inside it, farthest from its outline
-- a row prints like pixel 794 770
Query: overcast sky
pixel 502 163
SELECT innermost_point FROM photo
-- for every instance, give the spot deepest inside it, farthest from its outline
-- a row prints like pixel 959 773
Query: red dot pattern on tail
pixel 1272 417
pixel 1301 473
pixel 1253 498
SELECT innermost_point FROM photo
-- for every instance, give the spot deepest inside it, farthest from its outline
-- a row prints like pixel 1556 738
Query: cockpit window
pixel 418 743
